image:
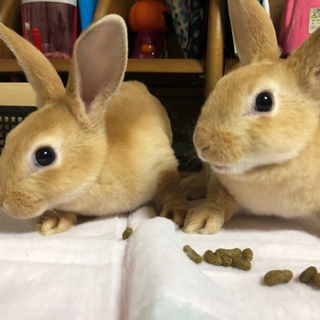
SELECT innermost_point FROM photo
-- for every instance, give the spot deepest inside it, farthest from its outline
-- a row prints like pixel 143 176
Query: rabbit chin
pixel 246 164
pixel 22 214
pixel 20 206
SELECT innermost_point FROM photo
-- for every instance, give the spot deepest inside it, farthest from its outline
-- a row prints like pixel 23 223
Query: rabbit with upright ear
pixel 259 129
pixel 98 147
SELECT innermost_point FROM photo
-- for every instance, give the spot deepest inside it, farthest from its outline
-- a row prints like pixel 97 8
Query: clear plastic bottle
pixel 51 25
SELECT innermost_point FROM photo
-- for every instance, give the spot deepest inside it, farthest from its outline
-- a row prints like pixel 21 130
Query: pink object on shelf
pixel 149 19
pixel 148 44
pixel 51 25
pixel 299 19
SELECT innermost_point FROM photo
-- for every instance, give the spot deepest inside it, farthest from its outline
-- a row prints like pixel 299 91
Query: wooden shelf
pixel 134 65
pixel 17 94
pixel 22 94
pixel 166 65
pixel 173 69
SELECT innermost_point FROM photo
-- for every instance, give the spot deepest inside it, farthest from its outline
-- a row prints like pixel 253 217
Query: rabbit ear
pixel 253 31
pixel 99 63
pixel 40 73
pixel 305 63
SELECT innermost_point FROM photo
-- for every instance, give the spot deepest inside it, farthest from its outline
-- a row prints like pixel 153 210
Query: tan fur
pixel 208 217
pixel 266 163
pixel 253 42
pixel 195 186
pixel 112 140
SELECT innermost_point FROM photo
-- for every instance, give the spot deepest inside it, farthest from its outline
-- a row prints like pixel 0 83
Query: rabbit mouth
pixel 215 166
pixel 236 168
pixel 224 169
pixel 249 163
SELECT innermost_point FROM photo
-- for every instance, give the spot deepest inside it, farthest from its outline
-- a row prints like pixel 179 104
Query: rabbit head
pixel 266 111
pixel 59 150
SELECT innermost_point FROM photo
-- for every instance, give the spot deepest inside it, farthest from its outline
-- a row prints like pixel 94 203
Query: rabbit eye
pixel 44 157
pixel 264 102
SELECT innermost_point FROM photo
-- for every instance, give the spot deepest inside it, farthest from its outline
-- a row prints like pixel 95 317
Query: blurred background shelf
pixel 134 65
pixel 215 66
pixel 182 85
pixel 10 15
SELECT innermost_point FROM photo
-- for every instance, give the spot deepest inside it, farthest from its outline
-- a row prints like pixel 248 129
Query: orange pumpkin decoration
pixel 148 15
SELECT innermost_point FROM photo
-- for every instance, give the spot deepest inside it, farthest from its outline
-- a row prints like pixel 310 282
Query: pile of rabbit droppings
pixel 241 259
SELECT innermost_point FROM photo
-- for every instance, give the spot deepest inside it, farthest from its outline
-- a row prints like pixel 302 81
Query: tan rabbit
pixel 98 147
pixel 259 129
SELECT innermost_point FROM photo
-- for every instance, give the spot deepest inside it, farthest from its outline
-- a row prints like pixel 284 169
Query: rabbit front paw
pixel 176 214
pixel 54 222
pixel 194 187
pixel 203 221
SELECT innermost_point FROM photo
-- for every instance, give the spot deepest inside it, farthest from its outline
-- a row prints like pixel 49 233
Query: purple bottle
pixel 149 44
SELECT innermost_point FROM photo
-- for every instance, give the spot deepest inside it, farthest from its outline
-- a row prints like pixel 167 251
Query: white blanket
pixel 91 273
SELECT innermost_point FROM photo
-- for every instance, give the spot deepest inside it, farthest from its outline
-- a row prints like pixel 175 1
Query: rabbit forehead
pixel 52 123
pixel 247 79
pixel 75 150
pixel 51 126
pixel 236 90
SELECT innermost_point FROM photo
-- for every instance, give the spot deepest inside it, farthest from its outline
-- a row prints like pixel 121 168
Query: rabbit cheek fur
pixel 234 138
pixel 29 189
pixel 261 162
pixel 111 140
pixel 257 162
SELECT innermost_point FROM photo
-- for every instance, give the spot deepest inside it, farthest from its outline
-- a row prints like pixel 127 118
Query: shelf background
pixel 182 85
pixel 134 65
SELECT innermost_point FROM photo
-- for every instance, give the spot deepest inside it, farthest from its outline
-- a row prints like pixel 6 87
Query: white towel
pixel 91 273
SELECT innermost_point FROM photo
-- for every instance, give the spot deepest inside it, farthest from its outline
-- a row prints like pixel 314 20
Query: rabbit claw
pixel 202 222
pixel 177 215
pixel 54 222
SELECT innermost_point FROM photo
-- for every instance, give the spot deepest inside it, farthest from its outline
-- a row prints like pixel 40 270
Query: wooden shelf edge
pixel 134 65
pixel 17 94
pixel 166 65
pixel 22 94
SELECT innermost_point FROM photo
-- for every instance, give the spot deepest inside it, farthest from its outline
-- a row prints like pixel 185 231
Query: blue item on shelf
pixel 180 18
pixel 86 9
pixel 197 40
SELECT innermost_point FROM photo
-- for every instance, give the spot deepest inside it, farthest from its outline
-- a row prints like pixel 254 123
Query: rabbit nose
pixel 200 139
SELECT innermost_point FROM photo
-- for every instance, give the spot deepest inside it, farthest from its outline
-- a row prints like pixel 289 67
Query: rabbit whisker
pixel 56 213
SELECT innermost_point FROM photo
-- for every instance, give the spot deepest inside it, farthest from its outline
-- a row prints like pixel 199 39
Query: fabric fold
pixel 162 283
